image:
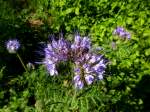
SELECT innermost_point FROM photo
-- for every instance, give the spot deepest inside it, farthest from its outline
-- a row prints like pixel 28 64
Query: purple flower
pixel 56 52
pixel 91 68
pixel 79 48
pixel 77 39
pixel 122 33
pixel 89 79
pixel 77 71
pixel 100 76
pixel 80 44
pixel 85 43
pixel 127 35
pixel 12 46
pixel 51 67
pixel 78 82
pixel 97 64
pixel 118 30
pixel 88 66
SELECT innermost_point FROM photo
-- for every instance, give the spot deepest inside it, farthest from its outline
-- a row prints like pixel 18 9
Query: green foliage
pixel 125 87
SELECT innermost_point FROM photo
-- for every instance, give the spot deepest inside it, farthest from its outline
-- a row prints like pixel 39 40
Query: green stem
pixel 22 62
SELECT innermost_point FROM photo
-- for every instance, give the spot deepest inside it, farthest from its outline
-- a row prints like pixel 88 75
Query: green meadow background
pixel 126 84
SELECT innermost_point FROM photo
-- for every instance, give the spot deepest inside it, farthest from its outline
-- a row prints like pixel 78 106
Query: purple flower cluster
pixel 122 33
pixel 56 52
pixel 12 46
pixel 88 66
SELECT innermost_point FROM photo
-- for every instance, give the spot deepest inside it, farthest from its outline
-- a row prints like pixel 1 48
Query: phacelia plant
pixel 12 47
pixel 88 66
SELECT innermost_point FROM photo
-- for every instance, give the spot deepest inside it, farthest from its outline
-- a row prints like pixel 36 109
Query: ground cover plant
pixel 49 51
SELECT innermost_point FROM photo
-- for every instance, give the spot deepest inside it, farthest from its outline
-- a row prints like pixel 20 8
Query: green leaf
pixel 146 32
pixel 69 10
pixel 77 11
pixel 129 20
pixel 147 52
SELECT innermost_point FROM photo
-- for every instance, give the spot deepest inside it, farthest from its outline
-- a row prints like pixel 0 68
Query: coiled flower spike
pixel 55 52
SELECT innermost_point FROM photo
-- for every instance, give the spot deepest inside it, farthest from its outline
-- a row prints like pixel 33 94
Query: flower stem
pixel 22 62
